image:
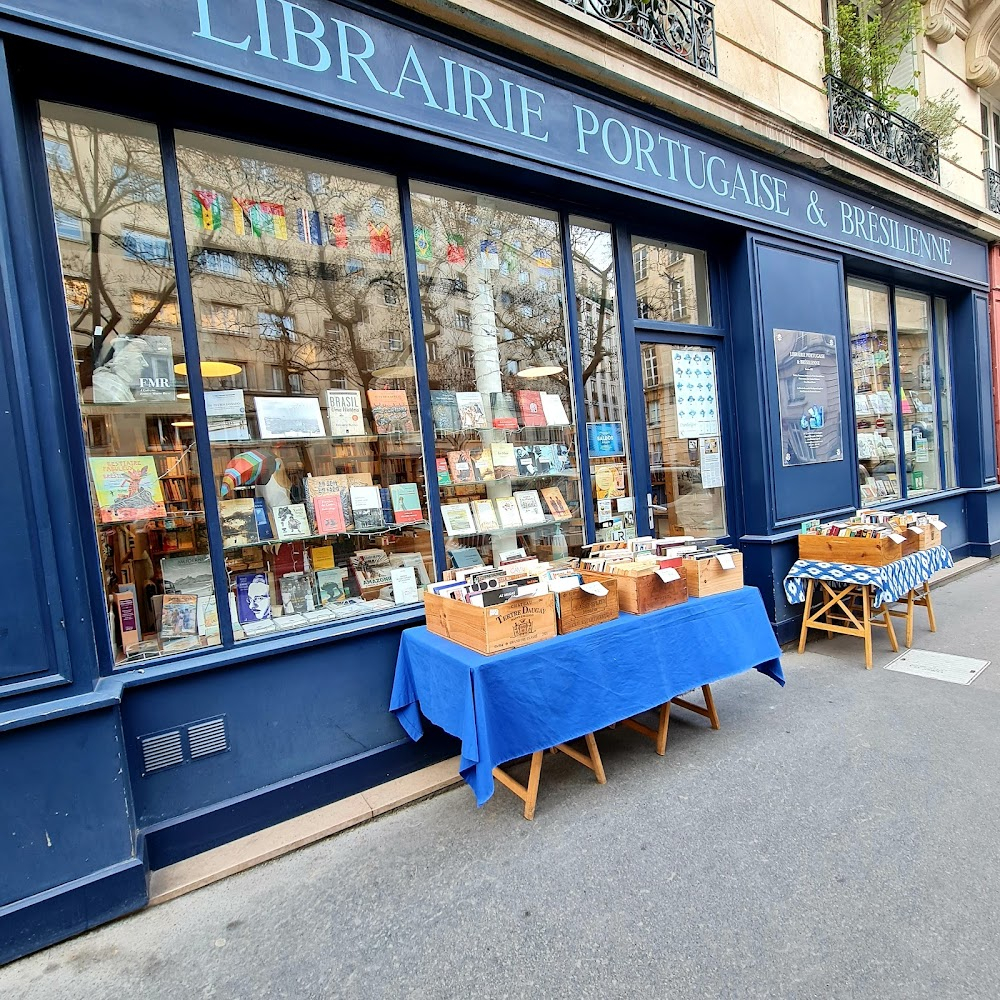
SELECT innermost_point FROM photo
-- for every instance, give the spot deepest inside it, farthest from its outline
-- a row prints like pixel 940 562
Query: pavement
pixel 837 838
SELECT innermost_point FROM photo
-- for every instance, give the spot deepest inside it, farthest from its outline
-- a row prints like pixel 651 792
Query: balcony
pixel 992 189
pixel 860 120
pixel 684 28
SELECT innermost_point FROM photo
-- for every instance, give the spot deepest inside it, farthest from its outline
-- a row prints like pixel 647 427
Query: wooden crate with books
pixel 638 595
pixel 851 550
pixel 577 609
pixel 495 629
pixel 712 574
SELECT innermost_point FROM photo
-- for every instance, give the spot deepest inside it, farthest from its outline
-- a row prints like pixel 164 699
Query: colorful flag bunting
pixel 336 227
pixel 310 229
pixel 207 207
pixel 542 258
pixel 422 244
pixel 489 255
pixel 259 218
pixel 456 249
pixel 380 240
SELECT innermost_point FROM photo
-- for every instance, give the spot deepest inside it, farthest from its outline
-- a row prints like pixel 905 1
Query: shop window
pixel 677 291
pixel 143 466
pixel 504 412
pixel 320 477
pixel 604 389
pixel 904 431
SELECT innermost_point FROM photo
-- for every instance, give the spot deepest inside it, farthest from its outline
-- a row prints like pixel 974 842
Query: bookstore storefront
pixel 303 306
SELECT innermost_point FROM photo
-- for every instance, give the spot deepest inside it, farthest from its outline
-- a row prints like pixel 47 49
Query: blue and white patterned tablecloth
pixel 890 583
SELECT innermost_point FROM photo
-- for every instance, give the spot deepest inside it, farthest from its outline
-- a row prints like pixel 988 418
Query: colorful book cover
pixel 482 460
pixel 253 598
pixel 406 503
pixel 179 616
pixel 507 511
pixel 330 585
pixel 319 486
pixel 127 489
pixel 457 519
pixel 556 503
pixel 390 411
pixel 444 476
pixel 239 522
pixel 471 413
pixel 321 557
pixel 486 515
pixel 371 568
pixel 444 410
pixel 343 410
pixel 366 502
pixel 606 440
pixel 530 403
pixel 291 521
pixel 462 469
pixel 296 593
pixel 329 514
pixel 529 506
pixel 504 415
pixel 609 481
pixel 264 530
pixel 504 460
pixel 554 410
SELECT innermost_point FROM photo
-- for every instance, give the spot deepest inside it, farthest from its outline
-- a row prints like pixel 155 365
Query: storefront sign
pixel 808 397
pixel 341 56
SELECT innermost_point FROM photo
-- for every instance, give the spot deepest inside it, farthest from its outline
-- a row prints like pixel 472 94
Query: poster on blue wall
pixel 808 397
pixel 606 440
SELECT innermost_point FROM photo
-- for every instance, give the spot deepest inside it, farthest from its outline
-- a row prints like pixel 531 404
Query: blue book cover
pixel 606 440
pixel 264 530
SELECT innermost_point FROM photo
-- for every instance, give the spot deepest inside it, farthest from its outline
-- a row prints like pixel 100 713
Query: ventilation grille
pixel 184 744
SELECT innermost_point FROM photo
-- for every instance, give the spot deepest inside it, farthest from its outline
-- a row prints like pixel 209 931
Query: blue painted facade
pixel 307 715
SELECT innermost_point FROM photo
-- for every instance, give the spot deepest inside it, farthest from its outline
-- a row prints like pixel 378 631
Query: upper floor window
pixel 145 248
pixel 677 291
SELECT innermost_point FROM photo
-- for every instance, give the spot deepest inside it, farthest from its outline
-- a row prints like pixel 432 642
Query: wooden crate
pixel 492 630
pixel 930 537
pixel 853 551
pixel 639 594
pixel 578 609
pixel 707 576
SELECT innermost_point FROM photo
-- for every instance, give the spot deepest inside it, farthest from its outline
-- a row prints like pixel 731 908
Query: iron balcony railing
pixel 992 189
pixel 684 28
pixel 861 120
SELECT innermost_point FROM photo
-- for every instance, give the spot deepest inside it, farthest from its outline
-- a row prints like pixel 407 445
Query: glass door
pixel 680 388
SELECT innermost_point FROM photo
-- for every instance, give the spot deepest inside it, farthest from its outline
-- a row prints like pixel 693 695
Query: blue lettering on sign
pixel 330 53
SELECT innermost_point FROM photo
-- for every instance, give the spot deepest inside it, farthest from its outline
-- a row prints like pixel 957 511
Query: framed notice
pixel 809 405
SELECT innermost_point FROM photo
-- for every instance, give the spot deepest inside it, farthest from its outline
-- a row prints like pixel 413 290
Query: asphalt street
pixel 838 838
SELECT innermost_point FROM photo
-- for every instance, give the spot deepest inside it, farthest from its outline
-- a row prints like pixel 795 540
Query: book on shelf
pixel 296 593
pixel 444 410
pixel 504 414
pixel 127 489
pixel 208 615
pixel 862 407
pixel 482 461
pixel 485 515
pixel 461 467
pixel 414 559
pixel 457 518
pixel 527 461
pixel 404 585
pixel 463 558
pixel 226 410
pixel 253 598
pixel 406 503
pixel 471 412
pixel 239 523
pixel 504 460
pixel 390 411
pixel 289 417
pixel 371 568
pixel 291 521
pixel 554 410
pixel 187 575
pixel 529 506
pixel 444 476
pixel 508 512
pixel 366 502
pixel 560 458
pixel 321 557
pixel 156 380
pixel 330 585
pixel 556 503
pixel 328 514
pixel 179 616
pixel 530 403
pixel 325 486
pixel 127 610
pixel 265 532
pixel 388 514
pixel 343 410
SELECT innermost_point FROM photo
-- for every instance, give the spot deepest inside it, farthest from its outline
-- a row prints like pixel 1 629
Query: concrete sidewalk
pixel 836 839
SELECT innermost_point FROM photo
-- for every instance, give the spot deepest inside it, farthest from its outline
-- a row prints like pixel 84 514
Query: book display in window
pixel 499 372
pixel 332 461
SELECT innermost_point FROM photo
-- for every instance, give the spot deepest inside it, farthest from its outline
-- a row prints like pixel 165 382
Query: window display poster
pixel 606 440
pixel 711 463
pixel 809 405
pixel 695 388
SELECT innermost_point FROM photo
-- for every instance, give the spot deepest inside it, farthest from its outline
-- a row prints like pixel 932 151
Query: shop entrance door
pixel 680 388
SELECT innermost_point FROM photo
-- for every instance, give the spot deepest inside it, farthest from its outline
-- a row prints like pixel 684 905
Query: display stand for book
pixel 838 610
pixel 918 597
pixel 659 735
pixel 529 793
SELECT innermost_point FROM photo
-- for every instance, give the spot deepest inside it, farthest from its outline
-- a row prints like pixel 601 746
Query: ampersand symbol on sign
pixel 815 213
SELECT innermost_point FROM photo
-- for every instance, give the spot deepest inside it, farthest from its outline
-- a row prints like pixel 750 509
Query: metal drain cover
pixel 938 666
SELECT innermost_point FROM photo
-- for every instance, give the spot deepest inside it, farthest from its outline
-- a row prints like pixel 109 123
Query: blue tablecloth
pixel 511 704
pixel 890 583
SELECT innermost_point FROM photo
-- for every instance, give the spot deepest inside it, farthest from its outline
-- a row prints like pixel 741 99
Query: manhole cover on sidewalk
pixel 939 666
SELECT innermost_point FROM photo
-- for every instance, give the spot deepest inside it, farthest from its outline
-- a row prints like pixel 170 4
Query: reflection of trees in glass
pixel 671 283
